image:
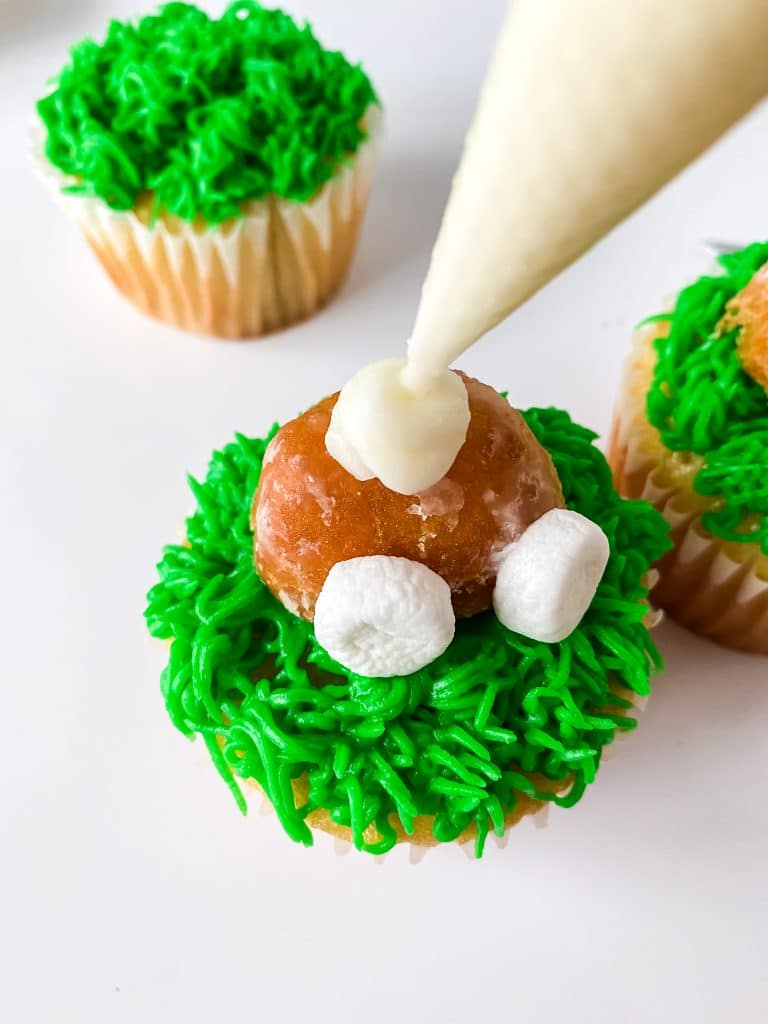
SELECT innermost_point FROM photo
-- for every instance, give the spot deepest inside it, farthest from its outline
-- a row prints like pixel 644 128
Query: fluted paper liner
pixel 715 587
pixel 276 265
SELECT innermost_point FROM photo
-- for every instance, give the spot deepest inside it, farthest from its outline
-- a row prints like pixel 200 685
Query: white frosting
pixel 406 435
pixel 589 107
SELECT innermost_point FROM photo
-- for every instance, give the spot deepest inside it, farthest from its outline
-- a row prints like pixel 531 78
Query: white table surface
pixel 131 890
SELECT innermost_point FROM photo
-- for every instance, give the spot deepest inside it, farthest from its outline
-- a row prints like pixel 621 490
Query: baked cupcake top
pixel 708 396
pixel 495 719
pixel 204 114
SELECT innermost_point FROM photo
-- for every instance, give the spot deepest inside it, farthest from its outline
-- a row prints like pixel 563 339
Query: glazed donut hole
pixel 309 513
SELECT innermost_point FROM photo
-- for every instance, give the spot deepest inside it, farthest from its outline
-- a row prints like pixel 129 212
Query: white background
pixel 130 888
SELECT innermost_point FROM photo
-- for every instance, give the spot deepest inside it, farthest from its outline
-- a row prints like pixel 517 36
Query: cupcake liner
pixel 276 265
pixel 715 587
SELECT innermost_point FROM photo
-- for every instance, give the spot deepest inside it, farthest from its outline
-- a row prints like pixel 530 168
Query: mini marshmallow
pixel 548 576
pixel 384 616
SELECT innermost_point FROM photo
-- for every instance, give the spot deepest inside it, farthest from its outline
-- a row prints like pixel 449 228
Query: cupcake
pixel 219 168
pixel 424 668
pixel 691 436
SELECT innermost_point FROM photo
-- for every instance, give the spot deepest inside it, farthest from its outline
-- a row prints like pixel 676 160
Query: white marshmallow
pixel 384 616
pixel 548 576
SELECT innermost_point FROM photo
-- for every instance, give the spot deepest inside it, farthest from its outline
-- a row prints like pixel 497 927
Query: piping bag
pixel 589 107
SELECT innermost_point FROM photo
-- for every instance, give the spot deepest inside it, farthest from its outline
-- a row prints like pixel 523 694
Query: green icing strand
pixel 456 740
pixel 204 113
pixel 702 401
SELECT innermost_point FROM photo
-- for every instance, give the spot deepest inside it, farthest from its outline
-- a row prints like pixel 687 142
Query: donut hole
pixel 309 513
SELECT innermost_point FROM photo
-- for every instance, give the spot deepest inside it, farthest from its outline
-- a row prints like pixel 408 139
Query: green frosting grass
pixel 702 401
pixel 457 739
pixel 204 113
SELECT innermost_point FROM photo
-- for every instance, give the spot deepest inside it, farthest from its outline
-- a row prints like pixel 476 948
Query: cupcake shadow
pixel 726 687
pixel 690 778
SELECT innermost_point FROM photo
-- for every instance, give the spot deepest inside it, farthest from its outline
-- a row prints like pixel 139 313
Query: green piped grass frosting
pixel 702 401
pixel 204 113
pixel 458 740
